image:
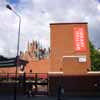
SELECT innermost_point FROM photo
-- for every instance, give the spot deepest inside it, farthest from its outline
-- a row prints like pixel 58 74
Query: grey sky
pixel 38 14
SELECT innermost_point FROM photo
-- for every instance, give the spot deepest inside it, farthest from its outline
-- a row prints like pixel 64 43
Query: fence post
pixel 36 82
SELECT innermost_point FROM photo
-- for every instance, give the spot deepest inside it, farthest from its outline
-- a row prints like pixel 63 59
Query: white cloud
pixel 36 16
pixel 98 7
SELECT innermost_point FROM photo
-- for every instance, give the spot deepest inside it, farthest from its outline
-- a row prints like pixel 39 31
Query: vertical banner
pixel 79 39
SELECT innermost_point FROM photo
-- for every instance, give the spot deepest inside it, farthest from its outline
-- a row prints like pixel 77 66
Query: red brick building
pixel 69 46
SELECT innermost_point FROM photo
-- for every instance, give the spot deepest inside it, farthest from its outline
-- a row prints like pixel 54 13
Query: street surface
pixel 22 97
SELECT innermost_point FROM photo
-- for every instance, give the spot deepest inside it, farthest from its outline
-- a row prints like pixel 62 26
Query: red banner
pixel 79 39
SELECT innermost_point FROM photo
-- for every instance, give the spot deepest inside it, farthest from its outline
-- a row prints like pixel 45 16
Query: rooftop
pixel 69 23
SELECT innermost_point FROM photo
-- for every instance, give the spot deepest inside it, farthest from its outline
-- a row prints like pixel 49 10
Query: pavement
pixel 22 97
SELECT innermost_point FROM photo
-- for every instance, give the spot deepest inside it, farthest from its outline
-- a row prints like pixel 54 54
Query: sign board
pixel 82 59
pixel 79 39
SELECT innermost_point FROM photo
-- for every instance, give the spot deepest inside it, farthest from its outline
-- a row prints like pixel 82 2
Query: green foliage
pixel 95 58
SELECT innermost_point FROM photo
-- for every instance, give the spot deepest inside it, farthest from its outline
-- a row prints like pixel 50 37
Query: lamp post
pixel 18 42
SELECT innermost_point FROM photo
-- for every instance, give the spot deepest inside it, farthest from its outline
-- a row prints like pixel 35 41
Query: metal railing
pixel 37 80
pixel 26 76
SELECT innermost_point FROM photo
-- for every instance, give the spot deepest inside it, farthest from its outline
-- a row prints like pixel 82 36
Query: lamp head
pixel 9 7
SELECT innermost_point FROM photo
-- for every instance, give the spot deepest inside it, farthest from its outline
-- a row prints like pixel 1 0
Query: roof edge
pixel 69 23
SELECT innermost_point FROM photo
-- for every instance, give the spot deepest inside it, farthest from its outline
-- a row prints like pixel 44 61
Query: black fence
pixel 25 76
pixel 37 82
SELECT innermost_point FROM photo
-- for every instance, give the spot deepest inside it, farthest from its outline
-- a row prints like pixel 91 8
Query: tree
pixel 95 58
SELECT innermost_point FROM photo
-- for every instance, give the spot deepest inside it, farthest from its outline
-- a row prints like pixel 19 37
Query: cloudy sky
pixel 36 16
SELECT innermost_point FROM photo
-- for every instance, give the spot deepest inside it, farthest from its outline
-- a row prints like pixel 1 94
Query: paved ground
pixel 21 97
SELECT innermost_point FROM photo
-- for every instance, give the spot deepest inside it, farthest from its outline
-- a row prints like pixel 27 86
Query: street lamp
pixel 10 8
pixel 18 41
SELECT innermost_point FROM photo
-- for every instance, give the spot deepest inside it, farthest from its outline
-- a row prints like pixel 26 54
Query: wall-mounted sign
pixel 79 39
pixel 82 59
